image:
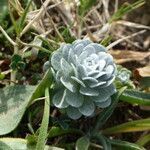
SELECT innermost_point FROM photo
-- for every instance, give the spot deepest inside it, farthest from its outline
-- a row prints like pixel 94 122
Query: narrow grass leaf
pixel 57 131
pixel 23 17
pixel 44 126
pixel 123 145
pixel 144 140
pixel 132 126
pixel 136 97
pixel 126 8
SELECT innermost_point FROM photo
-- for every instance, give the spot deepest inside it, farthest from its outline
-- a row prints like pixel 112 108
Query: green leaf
pixel 136 97
pixel 82 143
pixel 57 131
pixel 13 103
pixel 132 126
pixel 14 100
pixel 123 145
pixel 20 144
pixel 102 140
pixel 17 62
pixel 44 126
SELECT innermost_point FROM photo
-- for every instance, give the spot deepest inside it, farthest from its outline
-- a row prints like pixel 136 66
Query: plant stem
pixel 7 36
pixel 13 72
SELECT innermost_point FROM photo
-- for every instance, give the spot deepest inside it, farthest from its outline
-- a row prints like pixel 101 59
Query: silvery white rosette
pixel 84 73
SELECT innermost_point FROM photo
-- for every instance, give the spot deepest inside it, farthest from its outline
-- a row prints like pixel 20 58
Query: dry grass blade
pixel 38 15
pixel 65 10
pixel 144 72
pixel 116 5
pixel 123 56
pixel 106 11
pixel 55 27
pixel 124 38
pixel 16 5
pixel 135 44
pixel 131 24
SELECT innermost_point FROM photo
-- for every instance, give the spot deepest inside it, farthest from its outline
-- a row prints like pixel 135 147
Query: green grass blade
pixel 106 41
pixel 132 126
pixel 144 140
pixel 57 131
pixel 136 97
pixel 123 145
pixel 44 126
pixel 126 8
pixel 23 17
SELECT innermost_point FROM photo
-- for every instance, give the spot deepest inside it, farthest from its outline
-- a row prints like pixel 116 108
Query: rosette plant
pixel 84 73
